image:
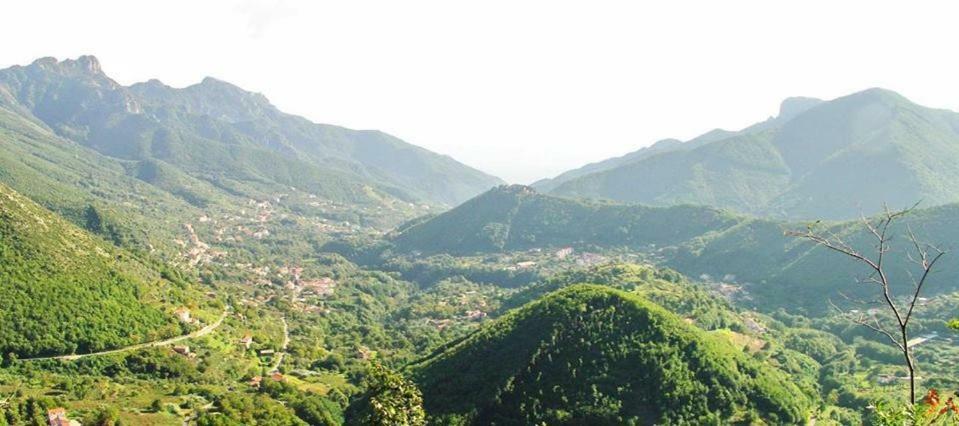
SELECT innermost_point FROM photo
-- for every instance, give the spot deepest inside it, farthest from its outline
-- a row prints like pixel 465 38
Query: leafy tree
pixel 390 399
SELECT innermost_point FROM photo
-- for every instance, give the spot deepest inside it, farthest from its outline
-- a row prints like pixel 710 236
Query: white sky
pixel 520 89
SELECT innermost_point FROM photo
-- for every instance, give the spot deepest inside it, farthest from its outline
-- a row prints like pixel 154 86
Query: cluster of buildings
pixel 184 350
pixel 198 252
pixel 275 376
pixel 321 286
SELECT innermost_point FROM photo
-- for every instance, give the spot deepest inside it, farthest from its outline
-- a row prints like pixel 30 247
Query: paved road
pixel 166 342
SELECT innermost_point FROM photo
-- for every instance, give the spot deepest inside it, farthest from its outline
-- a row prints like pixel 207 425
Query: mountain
pixel 75 182
pixel 229 138
pixel 787 110
pixel 834 160
pixel 65 291
pixel 517 217
pixel 589 354
pixel 776 271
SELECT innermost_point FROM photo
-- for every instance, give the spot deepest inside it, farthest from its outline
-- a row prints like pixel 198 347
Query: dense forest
pixel 589 354
pixel 65 291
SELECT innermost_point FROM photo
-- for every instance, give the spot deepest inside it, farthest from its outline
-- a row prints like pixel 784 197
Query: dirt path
pixel 286 342
pixel 166 342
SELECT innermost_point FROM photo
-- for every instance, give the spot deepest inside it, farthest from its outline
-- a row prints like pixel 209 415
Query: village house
pixel 524 265
pixel 267 352
pixel 255 381
pixel 296 272
pixel 276 376
pixel 563 253
pixel 364 353
pixel 475 315
pixel 728 290
pixel 247 341
pixel 754 326
pixel 885 379
pixel 590 259
pixel 58 417
pixel 182 349
pixel 183 314
pixel 321 287
pixel 921 339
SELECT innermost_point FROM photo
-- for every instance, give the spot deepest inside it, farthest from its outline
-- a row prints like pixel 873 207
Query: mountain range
pixel 321 268
pixel 230 139
pixel 817 159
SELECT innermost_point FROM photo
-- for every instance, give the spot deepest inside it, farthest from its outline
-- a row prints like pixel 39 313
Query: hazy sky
pixel 520 89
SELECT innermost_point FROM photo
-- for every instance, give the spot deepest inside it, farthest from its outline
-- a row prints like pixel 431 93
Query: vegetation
pixel 826 160
pixel 926 257
pixel 389 399
pixel 65 291
pixel 119 205
pixel 591 354
pixel 232 140
pixel 517 218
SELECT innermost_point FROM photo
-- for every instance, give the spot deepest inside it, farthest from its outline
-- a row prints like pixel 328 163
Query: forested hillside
pixel 517 218
pixel 832 160
pixel 100 194
pixel 781 271
pixel 64 291
pixel 593 355
pixel 777 270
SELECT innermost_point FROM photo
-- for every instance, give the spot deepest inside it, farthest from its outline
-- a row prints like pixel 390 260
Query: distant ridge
pixel 834 159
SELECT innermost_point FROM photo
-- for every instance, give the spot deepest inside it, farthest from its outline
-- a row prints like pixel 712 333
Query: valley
pixel 197 256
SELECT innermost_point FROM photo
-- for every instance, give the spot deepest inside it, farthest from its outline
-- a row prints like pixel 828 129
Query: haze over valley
pixel 194 254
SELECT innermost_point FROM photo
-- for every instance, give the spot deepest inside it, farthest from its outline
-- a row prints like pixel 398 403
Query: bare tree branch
pixel 879 229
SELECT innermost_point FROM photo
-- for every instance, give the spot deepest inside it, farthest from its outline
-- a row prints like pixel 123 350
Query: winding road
pixel 166 342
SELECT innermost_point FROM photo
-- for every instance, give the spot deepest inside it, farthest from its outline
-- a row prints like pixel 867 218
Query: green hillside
pixel 780 271
pixel 593 355
pixel 776 270
pixel 81 185
pixel 832 160
pixel 790 108
pixel 517 217
pixel 231 139
pixel 64 291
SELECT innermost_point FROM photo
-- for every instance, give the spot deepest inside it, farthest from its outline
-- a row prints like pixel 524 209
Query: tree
pixel 390 399
pixel 924 255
